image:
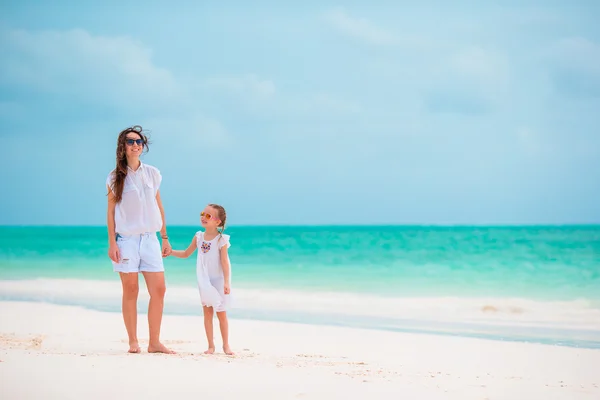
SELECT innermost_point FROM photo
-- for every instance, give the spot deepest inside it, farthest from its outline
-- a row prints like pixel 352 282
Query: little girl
pixel 213 272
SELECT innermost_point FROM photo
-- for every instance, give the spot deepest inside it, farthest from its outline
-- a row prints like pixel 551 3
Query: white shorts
pixel 139 253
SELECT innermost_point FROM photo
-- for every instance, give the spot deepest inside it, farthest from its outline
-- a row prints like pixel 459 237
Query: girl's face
pixel 209 218
pixel 134 145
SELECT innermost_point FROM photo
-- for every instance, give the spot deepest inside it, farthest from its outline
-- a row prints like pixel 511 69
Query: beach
pixel 54 351
pixel 317 312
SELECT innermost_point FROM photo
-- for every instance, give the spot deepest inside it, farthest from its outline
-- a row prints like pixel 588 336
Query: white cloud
pixel 198 130
pixel 579 54
pixel 483 66
pixel 529 141
pixel 316 105
pixel 470 81
pixel 335 104
pixel 261 96
pixel 574 67
pixel 360 28
pixel 88 67
pixel 244 86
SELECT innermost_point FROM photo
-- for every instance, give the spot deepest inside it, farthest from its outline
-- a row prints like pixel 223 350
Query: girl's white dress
pixel 209 272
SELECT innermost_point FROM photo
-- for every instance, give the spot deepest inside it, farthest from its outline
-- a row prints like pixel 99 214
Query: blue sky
pixel 312 113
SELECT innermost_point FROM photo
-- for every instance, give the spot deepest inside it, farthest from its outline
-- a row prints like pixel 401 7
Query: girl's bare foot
pixel 159 348
pixel 134 348
pixel 227 350
pixel 211 350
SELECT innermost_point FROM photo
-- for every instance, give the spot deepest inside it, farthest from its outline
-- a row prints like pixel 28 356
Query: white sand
pixel 58 352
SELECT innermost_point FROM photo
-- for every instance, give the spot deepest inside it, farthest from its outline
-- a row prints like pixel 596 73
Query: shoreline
pixel 571 324
pixel 326 321
pixel 54 345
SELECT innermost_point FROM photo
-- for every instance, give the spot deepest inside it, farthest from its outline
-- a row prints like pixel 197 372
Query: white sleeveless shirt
pixel 209 254
pixel 138 210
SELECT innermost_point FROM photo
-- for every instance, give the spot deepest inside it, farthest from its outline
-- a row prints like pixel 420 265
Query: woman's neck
pixel 134 163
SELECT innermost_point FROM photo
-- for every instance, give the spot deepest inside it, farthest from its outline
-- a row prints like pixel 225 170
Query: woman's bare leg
pixel 209 314
pixel 155 281
pixel 224 326
pixel 131 289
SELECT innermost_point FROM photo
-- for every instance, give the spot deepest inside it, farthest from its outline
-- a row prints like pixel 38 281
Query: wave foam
pixel 566 319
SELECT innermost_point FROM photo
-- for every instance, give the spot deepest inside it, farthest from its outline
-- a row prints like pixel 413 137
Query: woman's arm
pixel 187 252
pixel 166 246
pixel 113 249
pixel 226 268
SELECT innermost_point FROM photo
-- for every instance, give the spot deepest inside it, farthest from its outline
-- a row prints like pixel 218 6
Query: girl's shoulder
pixel 224 240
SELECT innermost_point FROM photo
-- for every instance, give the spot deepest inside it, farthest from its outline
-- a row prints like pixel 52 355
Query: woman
pixel 135 214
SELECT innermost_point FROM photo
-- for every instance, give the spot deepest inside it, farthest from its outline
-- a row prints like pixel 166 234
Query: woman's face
pixel 134 145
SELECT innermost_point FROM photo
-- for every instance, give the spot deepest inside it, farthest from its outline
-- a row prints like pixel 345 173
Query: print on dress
pixel 205 247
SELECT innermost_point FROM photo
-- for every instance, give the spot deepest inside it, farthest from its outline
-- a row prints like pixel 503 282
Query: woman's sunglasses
pixel 130 142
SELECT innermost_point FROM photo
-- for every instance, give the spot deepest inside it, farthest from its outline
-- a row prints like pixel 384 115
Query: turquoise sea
pixel 539 284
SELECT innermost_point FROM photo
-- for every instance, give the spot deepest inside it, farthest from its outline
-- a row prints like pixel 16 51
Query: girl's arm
pixel 226 268
pixel 187 252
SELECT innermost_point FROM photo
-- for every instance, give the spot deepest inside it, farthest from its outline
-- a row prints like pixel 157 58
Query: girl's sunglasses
pixel 206 215
pixel 130 142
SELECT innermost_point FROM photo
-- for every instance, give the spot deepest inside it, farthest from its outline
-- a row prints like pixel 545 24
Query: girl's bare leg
pixel 131 288
pixel 224 326
pixel 209 314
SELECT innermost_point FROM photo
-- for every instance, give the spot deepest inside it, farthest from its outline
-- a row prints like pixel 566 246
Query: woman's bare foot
pixel 159 348
pixel 134 348
pixel 227 350
pixel 211 350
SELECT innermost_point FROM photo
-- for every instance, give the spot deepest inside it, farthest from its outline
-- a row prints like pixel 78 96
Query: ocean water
pixel 538 284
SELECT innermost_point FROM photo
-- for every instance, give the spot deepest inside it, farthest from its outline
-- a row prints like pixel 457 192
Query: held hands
pixel 166 248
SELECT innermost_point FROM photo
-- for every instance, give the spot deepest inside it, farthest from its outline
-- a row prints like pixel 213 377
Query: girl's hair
pixel 222 215
pixel 121 168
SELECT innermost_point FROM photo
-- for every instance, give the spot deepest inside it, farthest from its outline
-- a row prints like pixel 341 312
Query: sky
pixel 316 112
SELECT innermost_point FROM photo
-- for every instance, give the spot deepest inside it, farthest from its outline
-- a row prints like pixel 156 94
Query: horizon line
pixel 284 225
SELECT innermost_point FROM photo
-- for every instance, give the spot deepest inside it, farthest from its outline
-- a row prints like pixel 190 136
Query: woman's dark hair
pixel 120 171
